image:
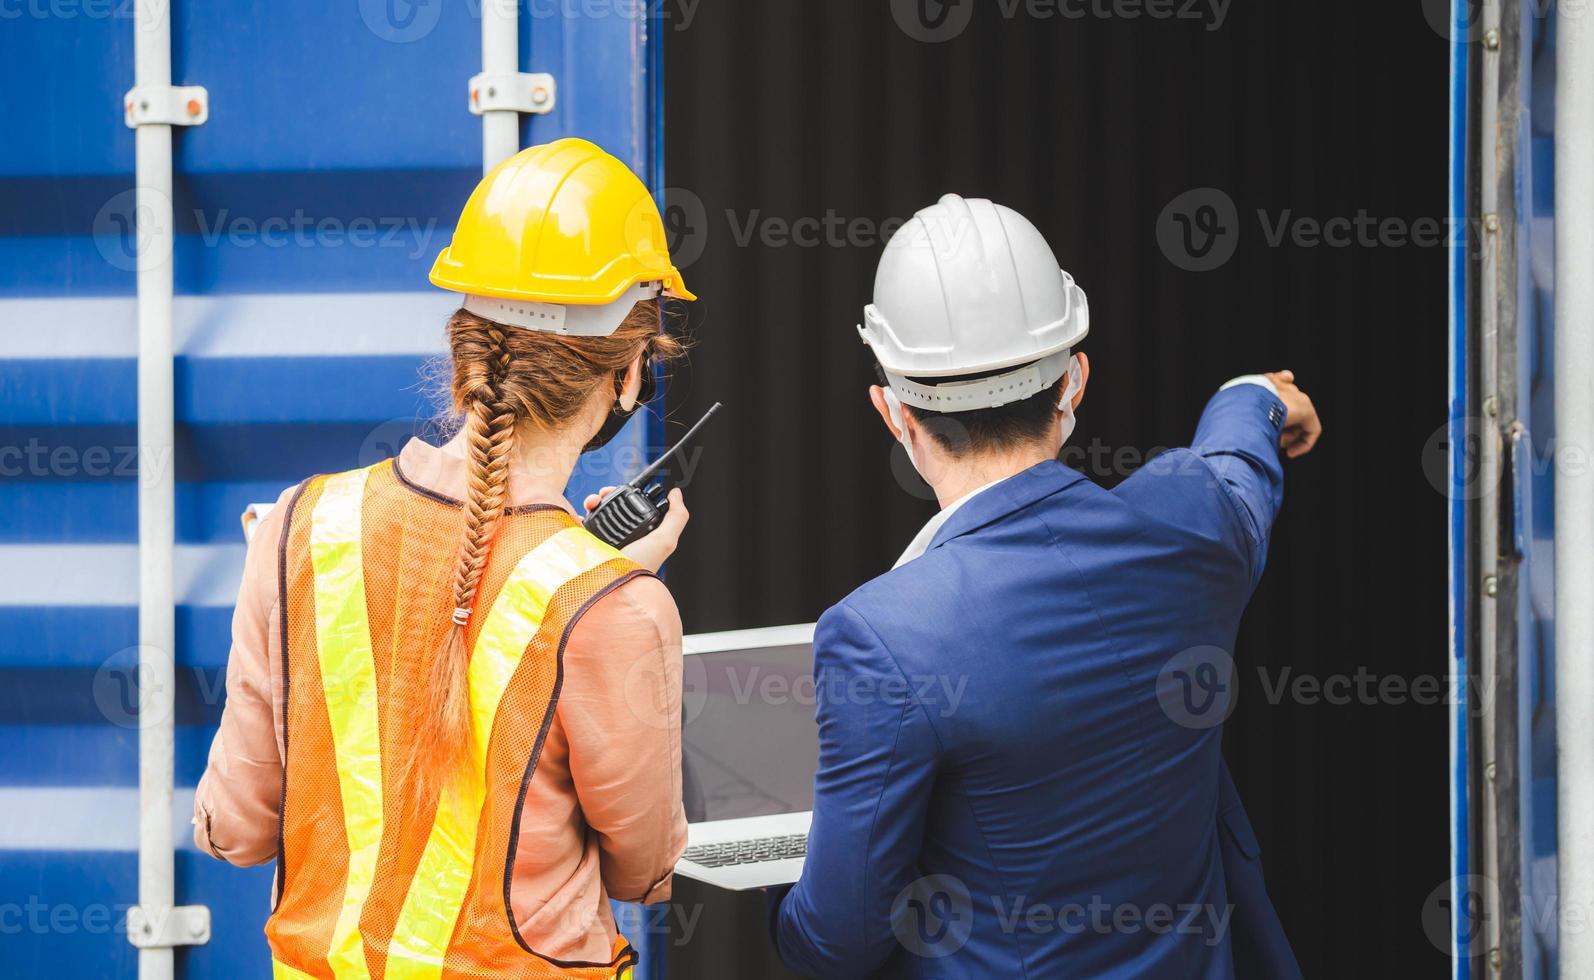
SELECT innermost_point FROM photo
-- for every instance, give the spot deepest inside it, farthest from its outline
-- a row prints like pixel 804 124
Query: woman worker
pixel 452 713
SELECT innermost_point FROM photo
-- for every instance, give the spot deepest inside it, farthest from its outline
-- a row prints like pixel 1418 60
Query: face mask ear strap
pixel 645 391
pixel 1065 404
pixel 618 416
pixel 894 408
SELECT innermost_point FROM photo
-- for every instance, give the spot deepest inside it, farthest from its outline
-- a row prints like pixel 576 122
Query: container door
pixel 338 153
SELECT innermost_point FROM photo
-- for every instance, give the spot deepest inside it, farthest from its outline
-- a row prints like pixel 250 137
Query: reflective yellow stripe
pixel 348 682
pixel 426 922
pixel 282 971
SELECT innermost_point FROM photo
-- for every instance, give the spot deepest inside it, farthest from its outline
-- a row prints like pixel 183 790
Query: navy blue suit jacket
pixel 1020 771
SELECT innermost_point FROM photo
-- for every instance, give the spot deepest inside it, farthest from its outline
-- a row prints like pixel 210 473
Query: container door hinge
pixel 165 105
pixel 516 92
pixel 175 925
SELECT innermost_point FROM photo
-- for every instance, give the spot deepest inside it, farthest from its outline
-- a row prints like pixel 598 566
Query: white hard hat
pixel 968 287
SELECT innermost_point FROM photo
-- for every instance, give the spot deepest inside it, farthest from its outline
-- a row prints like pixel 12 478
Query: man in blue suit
pixel 1020 771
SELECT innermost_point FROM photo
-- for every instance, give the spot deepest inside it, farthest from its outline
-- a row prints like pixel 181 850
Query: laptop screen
pixel 749 745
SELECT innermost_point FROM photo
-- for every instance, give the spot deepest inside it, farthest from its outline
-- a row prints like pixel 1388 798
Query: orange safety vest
pixel 365 573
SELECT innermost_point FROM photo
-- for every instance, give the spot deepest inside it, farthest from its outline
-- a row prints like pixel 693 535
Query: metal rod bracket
pixel 165 105
pixel 533 92
pixel 177 925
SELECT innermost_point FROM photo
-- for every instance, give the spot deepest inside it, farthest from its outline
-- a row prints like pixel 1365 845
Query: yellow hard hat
pixel 559 237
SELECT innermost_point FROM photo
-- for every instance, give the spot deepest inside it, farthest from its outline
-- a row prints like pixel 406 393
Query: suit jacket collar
pixel 1012 494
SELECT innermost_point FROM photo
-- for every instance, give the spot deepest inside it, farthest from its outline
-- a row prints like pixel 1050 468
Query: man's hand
pixel 1301 424
pixel 651 550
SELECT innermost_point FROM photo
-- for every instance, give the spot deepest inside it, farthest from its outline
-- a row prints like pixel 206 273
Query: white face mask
pixel 1065 405
pixel 1076 380
pixel 894 407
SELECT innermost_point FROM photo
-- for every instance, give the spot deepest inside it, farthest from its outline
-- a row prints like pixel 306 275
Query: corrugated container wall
pixel 338 152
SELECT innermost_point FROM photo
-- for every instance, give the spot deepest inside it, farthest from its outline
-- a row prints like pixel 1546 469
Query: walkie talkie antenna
pixel 641 479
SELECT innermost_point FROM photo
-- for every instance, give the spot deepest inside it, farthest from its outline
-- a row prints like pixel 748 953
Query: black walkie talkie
pixel 634 508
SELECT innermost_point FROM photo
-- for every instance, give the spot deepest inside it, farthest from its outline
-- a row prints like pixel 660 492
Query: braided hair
pixel 503 378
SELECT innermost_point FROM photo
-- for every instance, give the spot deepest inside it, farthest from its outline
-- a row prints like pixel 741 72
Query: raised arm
pixel 1240 436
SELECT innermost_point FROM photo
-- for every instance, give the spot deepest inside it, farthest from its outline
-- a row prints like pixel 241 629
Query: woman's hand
pixel 651 550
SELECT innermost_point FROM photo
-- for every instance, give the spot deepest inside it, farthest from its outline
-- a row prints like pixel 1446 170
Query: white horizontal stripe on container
pixel 84 818
pixel 107 574
pixel 238 325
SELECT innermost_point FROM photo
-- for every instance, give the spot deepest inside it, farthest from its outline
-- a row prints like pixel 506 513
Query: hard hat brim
pixel 989 391
pixel 675 288
pixel 547 289
pixel 894 356
pixel 565 319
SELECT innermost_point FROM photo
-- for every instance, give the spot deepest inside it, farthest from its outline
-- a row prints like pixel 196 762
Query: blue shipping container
pixel 309 208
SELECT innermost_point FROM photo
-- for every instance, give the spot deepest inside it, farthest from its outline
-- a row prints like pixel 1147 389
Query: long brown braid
pixel 489 436
pixel 504 377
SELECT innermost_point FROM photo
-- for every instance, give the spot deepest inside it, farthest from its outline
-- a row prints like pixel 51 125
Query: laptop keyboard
pixel 748 851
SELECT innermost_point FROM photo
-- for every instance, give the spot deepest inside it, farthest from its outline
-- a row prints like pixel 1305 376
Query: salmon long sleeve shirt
pixel 603 816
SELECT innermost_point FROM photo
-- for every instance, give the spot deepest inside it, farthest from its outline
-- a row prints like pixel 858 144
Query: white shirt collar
pixel 921 541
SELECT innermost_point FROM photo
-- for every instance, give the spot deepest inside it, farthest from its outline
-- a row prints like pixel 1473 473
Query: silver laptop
pixel 749 749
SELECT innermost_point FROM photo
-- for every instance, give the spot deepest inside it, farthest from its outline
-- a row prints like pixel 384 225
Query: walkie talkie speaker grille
pixel 627 514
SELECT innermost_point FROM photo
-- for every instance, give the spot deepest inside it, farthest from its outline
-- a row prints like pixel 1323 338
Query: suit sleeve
pixel 1238 439
pixel 878 761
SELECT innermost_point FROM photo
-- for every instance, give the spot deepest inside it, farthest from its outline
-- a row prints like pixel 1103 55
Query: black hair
pixel 983 430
